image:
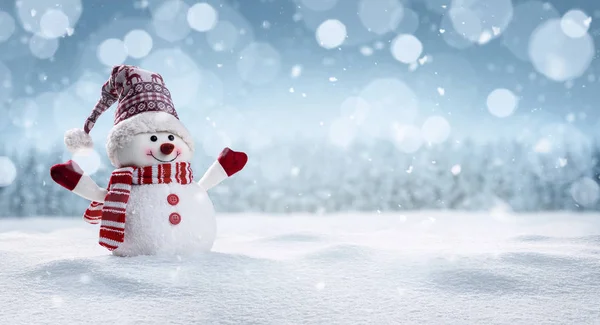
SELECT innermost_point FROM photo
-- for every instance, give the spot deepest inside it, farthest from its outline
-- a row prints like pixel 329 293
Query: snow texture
pixel 418 268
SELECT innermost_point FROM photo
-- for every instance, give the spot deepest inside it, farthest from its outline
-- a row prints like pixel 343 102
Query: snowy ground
pixel 416 268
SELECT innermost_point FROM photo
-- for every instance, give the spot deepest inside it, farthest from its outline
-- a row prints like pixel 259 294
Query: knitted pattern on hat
pixel 144 106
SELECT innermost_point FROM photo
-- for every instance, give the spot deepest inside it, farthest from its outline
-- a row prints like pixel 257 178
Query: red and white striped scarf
pixel 111 213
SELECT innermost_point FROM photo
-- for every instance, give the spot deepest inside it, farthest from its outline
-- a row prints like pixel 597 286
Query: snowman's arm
pixel 70 176
pixel 213 176
pixel 228 163
pixel 88 189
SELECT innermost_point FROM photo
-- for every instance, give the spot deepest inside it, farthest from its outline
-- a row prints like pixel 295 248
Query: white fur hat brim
pixel 147 122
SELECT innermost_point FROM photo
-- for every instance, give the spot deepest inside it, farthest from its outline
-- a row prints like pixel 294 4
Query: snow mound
pixel 346 268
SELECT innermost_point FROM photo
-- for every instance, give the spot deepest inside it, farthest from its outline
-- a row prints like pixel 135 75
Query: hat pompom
pixel 77 139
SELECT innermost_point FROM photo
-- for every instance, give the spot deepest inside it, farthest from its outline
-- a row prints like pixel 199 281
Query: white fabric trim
pixel 154 170
pixel 113 210
pixel 109 241
pixel 213 176
pixel 113 224
pixel 88 189
pixel 95 208
pixel 119 186
pixel 113 204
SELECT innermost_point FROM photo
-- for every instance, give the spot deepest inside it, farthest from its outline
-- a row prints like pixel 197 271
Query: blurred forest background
pixel 500 176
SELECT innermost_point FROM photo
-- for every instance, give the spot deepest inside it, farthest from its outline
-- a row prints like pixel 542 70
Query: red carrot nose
pixel 167 148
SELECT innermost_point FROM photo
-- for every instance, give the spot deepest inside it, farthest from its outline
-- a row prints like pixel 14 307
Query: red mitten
pixel 232 161
pixel 66 174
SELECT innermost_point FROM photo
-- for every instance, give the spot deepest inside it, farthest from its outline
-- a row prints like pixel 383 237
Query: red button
pixel 173 199
pixel 174 218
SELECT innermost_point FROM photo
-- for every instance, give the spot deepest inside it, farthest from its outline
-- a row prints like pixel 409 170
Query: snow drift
pixel 417 268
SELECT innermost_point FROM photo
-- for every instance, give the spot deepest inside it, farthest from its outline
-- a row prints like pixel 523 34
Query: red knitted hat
pixel 145 106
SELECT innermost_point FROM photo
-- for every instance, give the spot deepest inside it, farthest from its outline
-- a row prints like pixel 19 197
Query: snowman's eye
pixel 171 137
pixel 153 138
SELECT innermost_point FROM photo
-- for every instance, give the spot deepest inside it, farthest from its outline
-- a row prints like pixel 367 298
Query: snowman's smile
pixel 165 161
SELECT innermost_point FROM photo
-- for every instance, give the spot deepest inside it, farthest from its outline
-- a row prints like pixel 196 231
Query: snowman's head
pixel 147 139
pixel 147 149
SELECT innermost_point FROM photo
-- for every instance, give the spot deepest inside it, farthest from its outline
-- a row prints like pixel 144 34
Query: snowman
pixel 152 205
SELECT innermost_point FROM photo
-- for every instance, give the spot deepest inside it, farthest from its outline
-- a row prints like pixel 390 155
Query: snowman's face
pixel 147 149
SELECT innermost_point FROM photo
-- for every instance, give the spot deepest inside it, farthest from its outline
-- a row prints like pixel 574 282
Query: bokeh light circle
pixel 436 129
pixel 409 22
pixel 585 192
pixel 202 17
pixel 356 109
pixel 331 34
pixel 7 26
pixel 390 100
pixel 223 37
pixel 518 33
pixel 558 56
pixel 31 12
pixel 180 72
pixel 54 23
pixel 406 48
pixel 138 43
pixel 502 102
pixel 480 20
pixel 8 171
pixel 408 138
pixel 88 159
pixel 112 52
pixel 170 20
pixel 43 48
pixel 575 23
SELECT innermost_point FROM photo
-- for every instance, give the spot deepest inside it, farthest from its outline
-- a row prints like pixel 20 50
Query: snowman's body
pixel 168 219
